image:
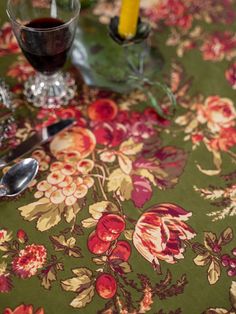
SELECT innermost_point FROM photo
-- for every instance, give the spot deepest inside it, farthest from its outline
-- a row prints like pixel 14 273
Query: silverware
pixel 5 95
pixel 18 177
pixel 39 138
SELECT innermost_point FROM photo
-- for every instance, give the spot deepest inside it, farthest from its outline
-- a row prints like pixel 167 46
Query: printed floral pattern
pixel 29 260
pixel 159 232
pixel 23 309
pixel 8 43
pixel 128 207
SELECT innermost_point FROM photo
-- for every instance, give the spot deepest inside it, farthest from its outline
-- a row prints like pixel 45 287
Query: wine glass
pixel 45 30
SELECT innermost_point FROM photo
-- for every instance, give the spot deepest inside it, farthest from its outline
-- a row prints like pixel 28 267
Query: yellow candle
pixel 128 18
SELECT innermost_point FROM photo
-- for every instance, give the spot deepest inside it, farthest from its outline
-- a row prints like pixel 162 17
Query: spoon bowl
pixel 18 177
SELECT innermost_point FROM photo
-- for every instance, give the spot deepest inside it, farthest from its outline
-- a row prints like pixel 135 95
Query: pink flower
pixel 224 141
pixel 172 12
pixel 29 260
pixel 21 70
pixel 160 231
pixel 8 43
pixel 40 4
pixel 230 75
pixel 5 283
pixel 219 46
pixel 217 113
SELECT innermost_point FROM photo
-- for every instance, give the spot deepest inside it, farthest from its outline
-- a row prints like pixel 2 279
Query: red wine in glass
pixel 47 50
pixel 45 35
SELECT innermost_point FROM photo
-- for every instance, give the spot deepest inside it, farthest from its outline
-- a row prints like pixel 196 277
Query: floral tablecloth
pixel 130 212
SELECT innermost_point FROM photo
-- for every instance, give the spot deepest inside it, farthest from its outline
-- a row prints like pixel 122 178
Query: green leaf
pixel 210 240
pixel 125 163
pixel 129 234
pixel 214 272
pixel 83 298
pixel 82 271
pixel 119 181
pixel 100 260
pixel 75 284
pixel 89 222
pixel 202 259
pixel 148 175
pixel 232 294
pixel 47 280
pixel 97 209
pixel 226 236
pixel 125 266
pixel 129 147
pixel 216 311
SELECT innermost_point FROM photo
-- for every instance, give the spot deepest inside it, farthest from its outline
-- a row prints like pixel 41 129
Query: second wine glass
pixel 45 31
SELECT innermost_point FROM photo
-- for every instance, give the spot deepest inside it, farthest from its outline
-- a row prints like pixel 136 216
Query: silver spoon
pixel 18 177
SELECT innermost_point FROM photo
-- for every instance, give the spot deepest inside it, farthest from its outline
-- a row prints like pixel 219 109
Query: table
pixel 130 213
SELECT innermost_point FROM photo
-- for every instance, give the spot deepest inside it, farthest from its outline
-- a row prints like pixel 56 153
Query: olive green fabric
pixel 169 184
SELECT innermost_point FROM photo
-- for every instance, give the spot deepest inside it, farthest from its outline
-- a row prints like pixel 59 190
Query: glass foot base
pixel 51 91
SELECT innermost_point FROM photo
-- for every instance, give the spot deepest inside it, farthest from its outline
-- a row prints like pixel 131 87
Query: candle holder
pixel 142 33
pixel 135 59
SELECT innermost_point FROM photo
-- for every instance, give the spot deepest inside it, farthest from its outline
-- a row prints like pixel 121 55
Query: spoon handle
pixel 3 190
pixel 2 163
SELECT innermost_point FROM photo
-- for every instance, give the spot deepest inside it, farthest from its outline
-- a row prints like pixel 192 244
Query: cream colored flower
pixel 5 236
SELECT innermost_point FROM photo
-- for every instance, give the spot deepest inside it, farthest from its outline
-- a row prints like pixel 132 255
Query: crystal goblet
pixel 45 31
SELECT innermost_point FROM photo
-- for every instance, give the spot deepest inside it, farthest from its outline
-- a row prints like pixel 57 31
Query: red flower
pixel 197 138
pixel 29 260
pixel 230 75
pixel 218 46
pixel 22 236
pixel 102 110
pixel 152 115
pixel 50 116
pixel 225 140
pixel 23 309
pixel 172 12
pixel 5 283
pixel 21 70
pixel 8 43
pixel 110 133
pixel 160 231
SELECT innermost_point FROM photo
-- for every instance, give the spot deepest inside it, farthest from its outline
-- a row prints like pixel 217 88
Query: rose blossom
pixel 218 46
pixel 217 112
pixel 225 140
pixel 29 260
pixel 172 12
pixel 160 231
